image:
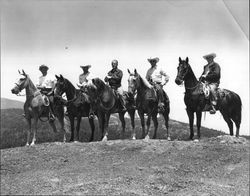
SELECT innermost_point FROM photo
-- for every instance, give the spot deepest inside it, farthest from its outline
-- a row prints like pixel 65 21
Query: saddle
pixel 40 99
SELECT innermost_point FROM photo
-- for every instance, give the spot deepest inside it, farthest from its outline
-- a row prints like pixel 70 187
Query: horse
pixel 76 107
pixel 105 102
pixel 34 107
pixel 229 103
pixel 147 102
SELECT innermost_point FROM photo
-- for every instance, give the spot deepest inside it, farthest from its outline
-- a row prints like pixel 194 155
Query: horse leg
pixel 29 130
pixel 61 123
pixel 154 118
pixel 92 125
pixel 165 115
pixel 35 130
pixel 101 122
pixel 78 124
pixel 148 126
pixel 141 114
pixel 72 127
pixel 121 117
pixel 191 123
pixel 229 122
pixel 198 123
pixel 132 118
pixel 106 125
pixel 237 119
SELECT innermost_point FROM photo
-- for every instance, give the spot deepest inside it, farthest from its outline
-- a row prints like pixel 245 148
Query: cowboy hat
pixel 156 59
pixel 209 55
pixel 85 66
pixel 43 67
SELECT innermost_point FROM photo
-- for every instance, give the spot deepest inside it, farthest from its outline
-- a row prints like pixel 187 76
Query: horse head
pixel 182 71
pixel 133 81
pixel 60 86
pixel 21 84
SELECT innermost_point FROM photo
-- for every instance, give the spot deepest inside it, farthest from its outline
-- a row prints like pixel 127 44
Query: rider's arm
pixel 163 73
pixel 117 75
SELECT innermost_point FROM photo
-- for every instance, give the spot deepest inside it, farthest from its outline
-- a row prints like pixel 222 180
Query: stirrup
pixel 212 111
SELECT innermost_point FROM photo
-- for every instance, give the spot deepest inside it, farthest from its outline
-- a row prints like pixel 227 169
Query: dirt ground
pixel 211 166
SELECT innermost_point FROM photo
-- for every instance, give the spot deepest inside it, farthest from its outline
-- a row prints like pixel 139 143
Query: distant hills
pixel 10 103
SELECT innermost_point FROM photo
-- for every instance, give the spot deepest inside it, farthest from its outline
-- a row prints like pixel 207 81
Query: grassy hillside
pixel 9 103
pixel 14 127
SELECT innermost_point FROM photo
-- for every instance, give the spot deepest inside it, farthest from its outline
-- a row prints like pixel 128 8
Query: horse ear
pixel 187 59
pixel 129 71
pixel 135 72
pixel 61 76
pixel 24 73
pixel 179 59
pixel 57 77
pixel 19 72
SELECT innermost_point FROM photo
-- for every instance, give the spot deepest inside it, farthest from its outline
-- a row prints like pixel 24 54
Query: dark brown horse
pixel 105 102
pixel 147 103
pixel 76 107
pixel 35 109
pixel 229 103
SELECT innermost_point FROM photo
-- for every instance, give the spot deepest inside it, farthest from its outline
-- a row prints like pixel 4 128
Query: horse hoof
pixel 133 137
pixel 169 139
pixel 32 144
pixel 104 139
pixel 27 144
pixel 146 138
pixel 196 140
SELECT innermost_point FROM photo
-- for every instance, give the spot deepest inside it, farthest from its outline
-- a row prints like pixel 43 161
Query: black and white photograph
pixel 124 97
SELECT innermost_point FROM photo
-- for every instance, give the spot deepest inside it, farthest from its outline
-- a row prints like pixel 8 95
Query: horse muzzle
pixel 178 81
pixel 15 91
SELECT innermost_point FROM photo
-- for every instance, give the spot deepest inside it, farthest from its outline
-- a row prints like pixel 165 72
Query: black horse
pixel 229 103
pixel 105 102
pixel 77 106
pixel 147 102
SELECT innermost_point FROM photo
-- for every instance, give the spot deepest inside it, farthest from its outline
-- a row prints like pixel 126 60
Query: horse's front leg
pixel 132 118
pixel 198 123
pixel 78 124
pixel 28 130
pixel 35 130
pixel 106 126
pixel 121 117
pixel 148 126
pixel 154 117
pixel 101 121
pixel 141 114
pixel 191 123
pixel 72 127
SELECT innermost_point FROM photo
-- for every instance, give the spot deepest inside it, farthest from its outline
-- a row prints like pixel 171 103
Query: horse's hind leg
pixel 198 123
pixel 72 127
pixel 191 123
pixel 121 117
pixel 92 126
pixel 28 131
pixel 166 118
pixel 229 122
pixel 106 127
pixel 237 119
pixel 154 118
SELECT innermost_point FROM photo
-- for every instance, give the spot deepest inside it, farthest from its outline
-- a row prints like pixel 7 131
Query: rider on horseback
pixel 46 85
pixel 155 77
pixel 114 79
pixel 211 76
pixel 84 80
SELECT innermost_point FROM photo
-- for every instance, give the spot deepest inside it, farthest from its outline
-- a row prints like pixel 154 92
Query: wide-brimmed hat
pixel 156 59
pixel 43 67
pixel 209 55
pixel 85 66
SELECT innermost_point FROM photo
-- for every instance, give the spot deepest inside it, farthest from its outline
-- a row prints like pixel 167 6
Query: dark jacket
pixel 116 78
pixel 213 73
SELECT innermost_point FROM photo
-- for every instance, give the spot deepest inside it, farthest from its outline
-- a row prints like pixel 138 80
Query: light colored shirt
pixel 85 79
pixel 47 81
pixel 157 75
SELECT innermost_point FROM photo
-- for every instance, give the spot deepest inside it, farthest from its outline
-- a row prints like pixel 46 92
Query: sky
pixel 66 34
